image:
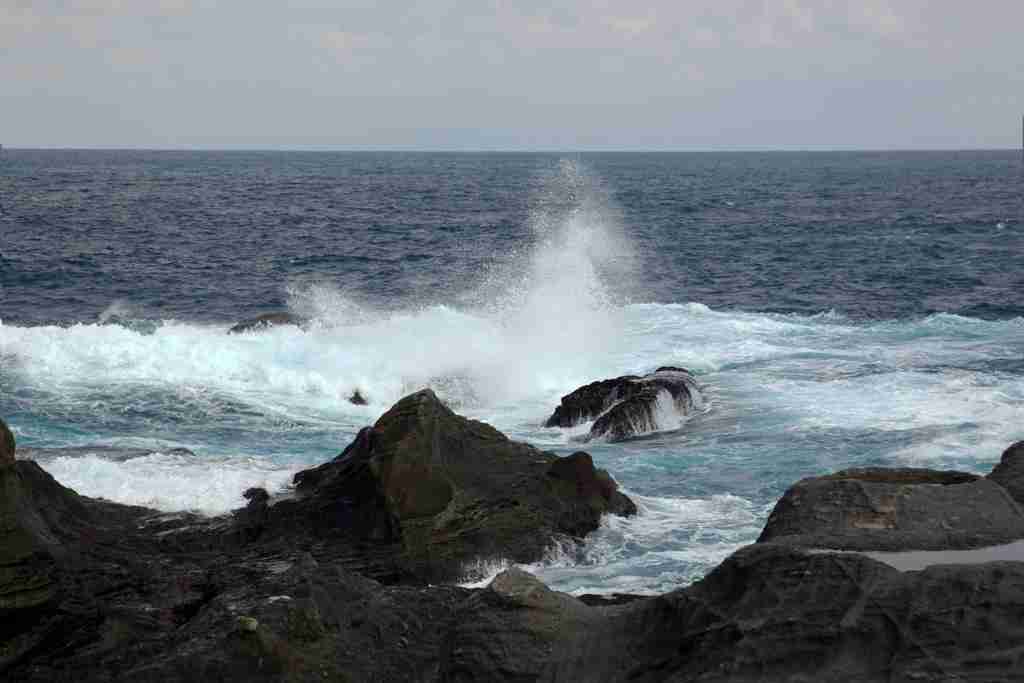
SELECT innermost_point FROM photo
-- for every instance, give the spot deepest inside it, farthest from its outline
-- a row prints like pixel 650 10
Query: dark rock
pixel 6 445
pixel 266 320
pixel 591 400
pixel 627 405
pixel 593 491
pixel 895 509
pixel 446 491
pixel 518 629
pixel 251 520
pixel 357 399
pixel 1009 473
pixel 256 495
pixel 768 613
pixel 771 614
pixel 44 530
pixel 26 551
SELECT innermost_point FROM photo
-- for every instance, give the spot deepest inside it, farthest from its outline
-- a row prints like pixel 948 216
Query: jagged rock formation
pixel 266 320
pixel 895 509
pixel 445 490
pixel 627 405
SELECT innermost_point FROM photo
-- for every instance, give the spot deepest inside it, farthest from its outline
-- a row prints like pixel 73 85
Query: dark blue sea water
pixel 839 308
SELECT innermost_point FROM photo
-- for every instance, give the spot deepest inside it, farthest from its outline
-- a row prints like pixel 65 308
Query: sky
pixel 480 75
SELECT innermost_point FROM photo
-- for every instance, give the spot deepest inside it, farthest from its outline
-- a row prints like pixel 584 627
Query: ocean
pixel 838 310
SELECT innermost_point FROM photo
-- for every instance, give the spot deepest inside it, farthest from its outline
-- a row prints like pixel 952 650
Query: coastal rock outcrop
pixel 895 509
pixel 626 406
pixel 95 591
pixel 443 490
pixel 266 320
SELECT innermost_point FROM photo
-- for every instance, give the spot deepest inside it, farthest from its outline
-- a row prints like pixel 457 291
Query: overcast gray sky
pixel 455 74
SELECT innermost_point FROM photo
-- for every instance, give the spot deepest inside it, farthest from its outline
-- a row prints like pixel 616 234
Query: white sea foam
pixel 681 539
pixel 170 482
pixel 541 322
pixel 119 308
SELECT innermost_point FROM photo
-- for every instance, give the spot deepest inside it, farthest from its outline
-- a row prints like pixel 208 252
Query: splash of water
pixel 540 320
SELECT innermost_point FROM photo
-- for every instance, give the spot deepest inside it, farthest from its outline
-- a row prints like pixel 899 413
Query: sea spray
pixel 538 320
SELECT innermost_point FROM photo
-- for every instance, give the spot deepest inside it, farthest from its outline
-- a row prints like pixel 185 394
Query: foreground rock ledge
pixel 442 491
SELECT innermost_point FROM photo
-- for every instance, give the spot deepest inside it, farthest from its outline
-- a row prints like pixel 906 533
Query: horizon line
pixel 500 150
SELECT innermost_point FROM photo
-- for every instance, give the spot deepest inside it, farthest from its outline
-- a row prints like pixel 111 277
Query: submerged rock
pixel 627 405
pixel 446 490
pixel 265 321
pixel 895 509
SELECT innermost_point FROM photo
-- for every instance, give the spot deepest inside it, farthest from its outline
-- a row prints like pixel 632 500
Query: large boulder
pixel 1009 473
pixel 266 320
pixel 444 491
pixel 625 406
pixel 895 509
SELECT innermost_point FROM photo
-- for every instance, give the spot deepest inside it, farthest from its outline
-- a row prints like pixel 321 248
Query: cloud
pixel 737 73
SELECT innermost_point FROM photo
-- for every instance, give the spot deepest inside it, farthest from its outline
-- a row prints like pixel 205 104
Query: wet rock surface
pixel 626 406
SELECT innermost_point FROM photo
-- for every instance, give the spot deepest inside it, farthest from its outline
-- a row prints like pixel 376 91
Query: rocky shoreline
pixel 348 578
